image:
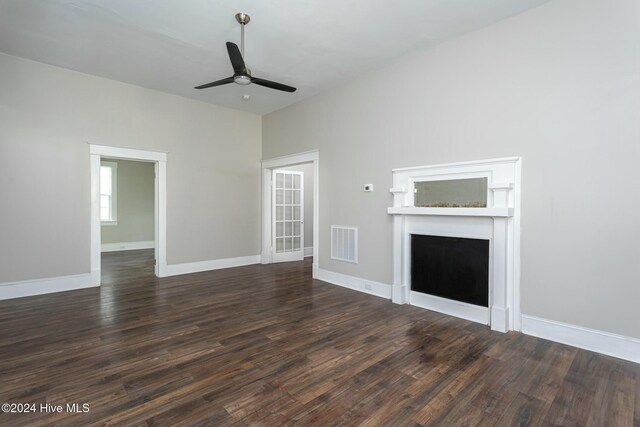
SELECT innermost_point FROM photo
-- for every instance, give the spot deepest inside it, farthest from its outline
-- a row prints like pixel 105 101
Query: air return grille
pixel 344 243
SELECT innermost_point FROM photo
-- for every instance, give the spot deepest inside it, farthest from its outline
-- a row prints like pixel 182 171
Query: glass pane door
pixel 288 200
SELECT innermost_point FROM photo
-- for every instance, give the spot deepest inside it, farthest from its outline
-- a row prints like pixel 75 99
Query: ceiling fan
pixel 241 74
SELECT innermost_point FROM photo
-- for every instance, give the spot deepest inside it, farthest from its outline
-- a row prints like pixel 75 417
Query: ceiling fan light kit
pixel 242 80
pixel 242 74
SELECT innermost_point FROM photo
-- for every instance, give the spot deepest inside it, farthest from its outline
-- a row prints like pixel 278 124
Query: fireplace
pixel 451 267
pixel 456 240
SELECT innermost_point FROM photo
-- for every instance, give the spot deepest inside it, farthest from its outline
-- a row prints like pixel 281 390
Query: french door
pixel 288 216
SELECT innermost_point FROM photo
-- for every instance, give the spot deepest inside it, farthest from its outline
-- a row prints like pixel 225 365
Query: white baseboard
pixel 26 288
pixel 216 264
pixel 619 346
pixel 356 283
pixel 308 251
pixel 127 246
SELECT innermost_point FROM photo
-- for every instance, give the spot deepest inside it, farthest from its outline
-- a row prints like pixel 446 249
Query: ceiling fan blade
pixel 216 83
pixel 236 59
pixel 272 85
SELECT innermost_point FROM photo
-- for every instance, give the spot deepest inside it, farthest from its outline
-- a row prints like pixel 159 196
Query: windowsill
pixel 108 223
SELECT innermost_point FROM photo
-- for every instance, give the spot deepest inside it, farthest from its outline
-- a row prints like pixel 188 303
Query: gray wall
pixel 558 85
pixel 135 204
pixel 307 170
pixel 47 117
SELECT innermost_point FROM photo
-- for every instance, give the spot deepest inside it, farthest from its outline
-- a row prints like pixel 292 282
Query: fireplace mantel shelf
pixel 478 212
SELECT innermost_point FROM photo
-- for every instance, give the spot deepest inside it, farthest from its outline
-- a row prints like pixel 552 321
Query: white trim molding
pixel 216 264
pixel 128 153
pixel 459 164
pixel 308 251
pixel 268 166
pixel 370 287
pixel 27 288
pixel 620 346
pixel 293 159
pixel 127 246
pixel 96 152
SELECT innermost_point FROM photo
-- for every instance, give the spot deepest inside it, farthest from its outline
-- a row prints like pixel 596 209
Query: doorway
pixel 127 217
pixel 288 232
pixel 100 204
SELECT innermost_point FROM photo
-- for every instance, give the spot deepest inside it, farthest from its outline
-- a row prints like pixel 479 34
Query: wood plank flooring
pixel 269 346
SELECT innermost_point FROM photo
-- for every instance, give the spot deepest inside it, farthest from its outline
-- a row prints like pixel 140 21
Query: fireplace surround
pixel 498 223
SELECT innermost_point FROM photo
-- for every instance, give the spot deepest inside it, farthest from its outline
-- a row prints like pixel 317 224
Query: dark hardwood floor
pixel 267 345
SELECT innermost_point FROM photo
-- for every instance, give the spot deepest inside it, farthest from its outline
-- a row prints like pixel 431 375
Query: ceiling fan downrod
pixel 243 19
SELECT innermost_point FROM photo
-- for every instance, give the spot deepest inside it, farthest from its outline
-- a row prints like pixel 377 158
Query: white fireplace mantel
pixel 488 212
pixel 499 223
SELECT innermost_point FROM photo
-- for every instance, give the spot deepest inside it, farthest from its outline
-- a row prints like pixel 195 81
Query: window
pixel 108 192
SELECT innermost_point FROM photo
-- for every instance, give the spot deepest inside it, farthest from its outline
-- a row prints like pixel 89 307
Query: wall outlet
pixel 368 286
pixel 368 187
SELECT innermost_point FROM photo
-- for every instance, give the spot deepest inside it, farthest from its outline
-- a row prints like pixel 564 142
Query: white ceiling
pixel 174 45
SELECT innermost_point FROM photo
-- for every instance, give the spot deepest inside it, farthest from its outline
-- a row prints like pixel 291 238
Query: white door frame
pixel 160 203
pixel 279 162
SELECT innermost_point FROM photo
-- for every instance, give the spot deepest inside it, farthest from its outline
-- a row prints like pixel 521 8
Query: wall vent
pixel 344 243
